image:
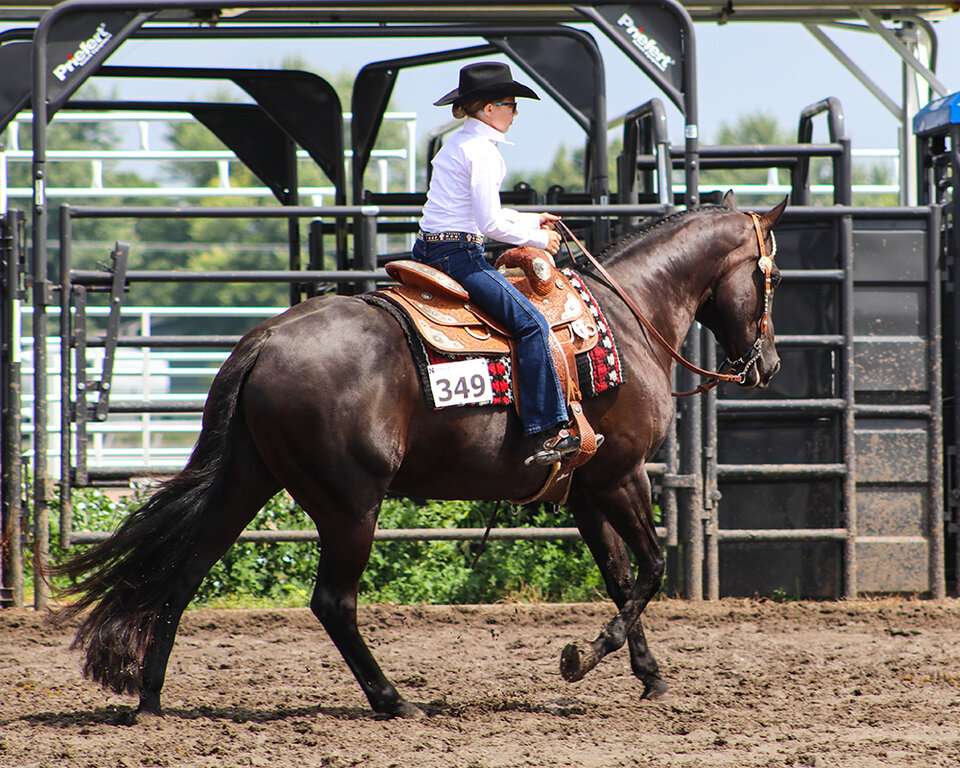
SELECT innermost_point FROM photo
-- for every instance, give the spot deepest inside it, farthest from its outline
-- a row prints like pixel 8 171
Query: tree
pixel 756 128
pixel 759 128
pixel 237 244
pixel 199 244
pixel 92 236
pixel 566 170
pixel 875 174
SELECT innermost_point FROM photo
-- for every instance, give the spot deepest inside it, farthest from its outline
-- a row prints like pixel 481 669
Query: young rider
pixel 463 206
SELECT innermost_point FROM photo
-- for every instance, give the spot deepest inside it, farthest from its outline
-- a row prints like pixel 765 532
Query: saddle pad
pixel 599 368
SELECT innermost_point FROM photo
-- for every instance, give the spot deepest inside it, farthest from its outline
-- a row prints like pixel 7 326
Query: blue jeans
pixel 541 401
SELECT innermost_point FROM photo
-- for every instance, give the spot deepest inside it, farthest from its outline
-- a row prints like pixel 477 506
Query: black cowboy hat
pixel 485 78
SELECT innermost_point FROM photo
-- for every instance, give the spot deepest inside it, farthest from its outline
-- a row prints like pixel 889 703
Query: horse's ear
pixel 771 217
pixel 729 200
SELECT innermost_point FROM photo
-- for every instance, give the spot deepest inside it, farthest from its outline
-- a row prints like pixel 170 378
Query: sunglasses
pixel 511 104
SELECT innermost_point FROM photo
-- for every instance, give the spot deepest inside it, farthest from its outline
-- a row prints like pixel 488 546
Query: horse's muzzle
pixel 763 373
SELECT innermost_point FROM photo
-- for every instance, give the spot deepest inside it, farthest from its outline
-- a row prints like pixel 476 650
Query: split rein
pixel 765 263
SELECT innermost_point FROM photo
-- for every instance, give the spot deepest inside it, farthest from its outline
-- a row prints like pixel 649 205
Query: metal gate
pixel 11 452
pixel 937 128
pixel 831 484
pixel 827 484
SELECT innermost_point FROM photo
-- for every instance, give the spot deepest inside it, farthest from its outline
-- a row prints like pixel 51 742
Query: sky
pixel 776 69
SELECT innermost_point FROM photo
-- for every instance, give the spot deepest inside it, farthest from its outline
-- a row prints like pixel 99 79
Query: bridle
pixel 764 263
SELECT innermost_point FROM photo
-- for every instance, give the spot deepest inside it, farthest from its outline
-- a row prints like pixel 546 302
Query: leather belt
pixel 447 237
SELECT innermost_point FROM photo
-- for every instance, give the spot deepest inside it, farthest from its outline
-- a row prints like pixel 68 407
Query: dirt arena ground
pixel 839 685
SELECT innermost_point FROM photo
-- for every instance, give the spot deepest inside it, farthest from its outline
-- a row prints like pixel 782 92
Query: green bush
pixel 439 572
pixel 398 572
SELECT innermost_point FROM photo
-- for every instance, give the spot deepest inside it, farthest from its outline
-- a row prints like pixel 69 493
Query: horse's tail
pixel 128 579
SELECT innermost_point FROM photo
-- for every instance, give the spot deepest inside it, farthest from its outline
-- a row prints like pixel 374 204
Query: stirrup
pixel 563 444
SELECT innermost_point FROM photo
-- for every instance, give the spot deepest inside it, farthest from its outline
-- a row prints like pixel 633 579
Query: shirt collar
pixel 480 128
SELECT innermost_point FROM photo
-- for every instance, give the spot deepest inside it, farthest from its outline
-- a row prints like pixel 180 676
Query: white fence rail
pixel 396 166
pixel 140 130
pixel 149 440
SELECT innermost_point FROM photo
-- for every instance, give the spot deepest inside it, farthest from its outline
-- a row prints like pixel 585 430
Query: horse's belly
pixel 478 457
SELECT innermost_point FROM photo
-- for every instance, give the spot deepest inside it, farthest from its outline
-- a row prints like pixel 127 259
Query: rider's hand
pixel 547 220
pixel 553 241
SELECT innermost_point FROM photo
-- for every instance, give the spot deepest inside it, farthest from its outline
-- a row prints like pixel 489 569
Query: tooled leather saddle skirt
pixel 437 311
pixel 441 311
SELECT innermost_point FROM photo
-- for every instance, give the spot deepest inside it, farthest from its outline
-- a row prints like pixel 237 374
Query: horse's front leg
pixel 606 521
pixel 612 559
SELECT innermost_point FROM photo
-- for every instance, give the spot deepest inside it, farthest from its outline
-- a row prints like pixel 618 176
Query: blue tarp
pixel 937 114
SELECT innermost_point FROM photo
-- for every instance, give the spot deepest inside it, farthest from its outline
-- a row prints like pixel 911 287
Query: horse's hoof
pixel 408 711
pixel 576 660
pixel 145 715
pixel 655 689
pixel 148 708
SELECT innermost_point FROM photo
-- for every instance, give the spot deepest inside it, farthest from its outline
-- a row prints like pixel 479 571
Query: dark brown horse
pixel 324 400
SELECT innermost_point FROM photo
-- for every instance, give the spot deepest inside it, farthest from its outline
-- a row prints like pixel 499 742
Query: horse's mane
pixel 649 229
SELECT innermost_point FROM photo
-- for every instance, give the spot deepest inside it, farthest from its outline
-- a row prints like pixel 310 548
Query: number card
pixel 466 382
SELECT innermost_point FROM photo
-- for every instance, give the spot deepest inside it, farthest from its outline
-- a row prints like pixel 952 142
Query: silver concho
pixel 571 308
pixel 582 328
pixel 436 314
pixel 443 340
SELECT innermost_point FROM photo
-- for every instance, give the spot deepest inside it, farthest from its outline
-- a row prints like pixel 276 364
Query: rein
pixel 765 263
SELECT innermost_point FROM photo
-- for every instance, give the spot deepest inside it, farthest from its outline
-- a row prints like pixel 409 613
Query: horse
pixel 324 401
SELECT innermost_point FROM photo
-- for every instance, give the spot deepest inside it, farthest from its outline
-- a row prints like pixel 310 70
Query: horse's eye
pixel 775 279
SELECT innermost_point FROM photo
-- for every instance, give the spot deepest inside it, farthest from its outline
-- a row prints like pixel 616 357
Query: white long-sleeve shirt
pixel 464 193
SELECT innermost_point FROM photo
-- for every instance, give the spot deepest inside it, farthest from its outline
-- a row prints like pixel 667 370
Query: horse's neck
pixel 669 279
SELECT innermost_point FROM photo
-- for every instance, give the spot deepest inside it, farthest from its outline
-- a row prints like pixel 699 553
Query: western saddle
pixel 442 314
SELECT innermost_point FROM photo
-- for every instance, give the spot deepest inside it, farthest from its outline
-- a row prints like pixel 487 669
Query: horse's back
pixel 321 330
pixel 333 376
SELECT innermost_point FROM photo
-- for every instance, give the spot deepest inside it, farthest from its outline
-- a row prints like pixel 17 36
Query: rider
pixel 463 205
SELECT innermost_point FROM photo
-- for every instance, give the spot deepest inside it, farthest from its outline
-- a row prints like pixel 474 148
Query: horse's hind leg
pixel 344 550
pixel 604 532
pixel 248 488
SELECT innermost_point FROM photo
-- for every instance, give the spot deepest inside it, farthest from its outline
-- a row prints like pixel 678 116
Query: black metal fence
pixel 829 485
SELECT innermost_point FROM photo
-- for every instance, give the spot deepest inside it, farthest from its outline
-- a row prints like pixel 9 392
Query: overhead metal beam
pixel 906 44
pixel 898 46
pixel 526 11
pixel 871 85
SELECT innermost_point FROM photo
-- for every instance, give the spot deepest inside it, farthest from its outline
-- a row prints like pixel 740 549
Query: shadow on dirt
pixel 127 716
